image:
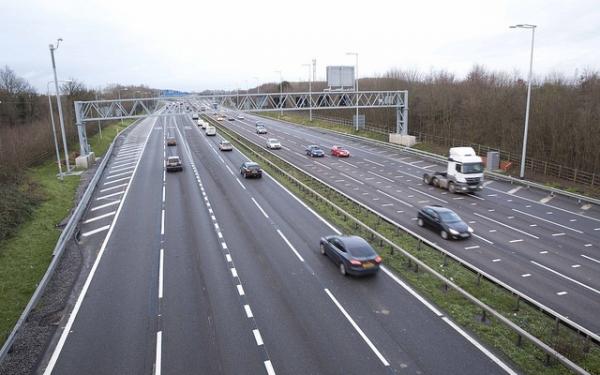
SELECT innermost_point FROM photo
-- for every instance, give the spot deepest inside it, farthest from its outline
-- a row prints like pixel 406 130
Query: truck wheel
pixel 451 187
pixel 435 182
pixel 426 179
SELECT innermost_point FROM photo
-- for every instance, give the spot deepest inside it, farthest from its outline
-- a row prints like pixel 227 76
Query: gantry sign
pixel 94 110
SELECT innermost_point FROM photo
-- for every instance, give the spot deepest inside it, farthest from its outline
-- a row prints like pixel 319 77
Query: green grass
pixel 25 256
pixel 530 359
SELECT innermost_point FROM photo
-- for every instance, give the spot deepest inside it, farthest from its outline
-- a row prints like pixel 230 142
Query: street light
pixel 257 85
pixel 280 92
pixel 532 27
pixel 60 172
pixel 309 92
pixel 355 83
pixel 60 113
pixel 121 104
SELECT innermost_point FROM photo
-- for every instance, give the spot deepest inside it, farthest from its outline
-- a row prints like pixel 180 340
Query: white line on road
pixel 548 221
pixel 234 272
pixel 160 273
pixel 257 337
pixel 558 234
pixel 101 229
pixel 248 311
pixel 117 165
pixel 162 222
pixel 505 225
pixel 230 171
pixel 158 361
pixel 350 164
pixel 428 195
pixel 380 176
pixel 113 170
pixel 357 328
pixel 394 198
pixel 240 289
pixel 352 178
pixel 105 205
pixel 290 245
pixel 115 181
pixel 526 275
pixel 111 176
pixel 374 162
pixel 515 241
pixel 269 367
pixel 240 182
pixel 512 191
pixel 472 247
pixel 112 188
pixel 109 195
pixel 228 258
pixel 163 193
pixel 259 207
pixel 590 258
pixel 561 293
pixel 483 239
pixel 566 277
pixel 322 165
pixel 99 217
pixel 429 166
pixel 546 199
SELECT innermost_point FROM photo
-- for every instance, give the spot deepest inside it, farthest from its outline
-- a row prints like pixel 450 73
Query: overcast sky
pixel 218 44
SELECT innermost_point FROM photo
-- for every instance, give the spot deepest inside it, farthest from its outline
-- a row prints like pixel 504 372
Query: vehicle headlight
pixel 453 231
pixel 470 229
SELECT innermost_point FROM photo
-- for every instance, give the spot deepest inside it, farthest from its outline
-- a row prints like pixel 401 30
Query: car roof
pixel 174 157
pixel 439 208
pixel 250 163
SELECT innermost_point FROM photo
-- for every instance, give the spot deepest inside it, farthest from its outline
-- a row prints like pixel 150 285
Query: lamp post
pixel 60 113
pixel 121 104
pixel 60 172
pixel 280 92
pixel 532 27
pixel 257 85
pixel 355 83
pixel 309 92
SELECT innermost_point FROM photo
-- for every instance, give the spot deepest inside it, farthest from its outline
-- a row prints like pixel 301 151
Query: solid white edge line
pixel 566 277
pixel 88 281
pixel 290 245
pixel 482 348
pixel 158 361
pixel 259 207
pixel 357 328
pixel 269 367
pixel 99 217
pixel 160 273
pixel 411 291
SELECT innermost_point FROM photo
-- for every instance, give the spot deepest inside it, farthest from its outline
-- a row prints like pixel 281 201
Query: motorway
pixel 201 271
pixel 546 247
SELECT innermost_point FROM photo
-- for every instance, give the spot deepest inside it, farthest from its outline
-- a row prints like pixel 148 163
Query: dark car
pixel 174 164
pixel 171 141
pixel 445 221
pixel 230 118
pixel 250 169
pixel 352 254
pixel 314 151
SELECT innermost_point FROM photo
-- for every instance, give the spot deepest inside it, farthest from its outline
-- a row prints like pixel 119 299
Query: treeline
pixel 25 124
pixel 488 108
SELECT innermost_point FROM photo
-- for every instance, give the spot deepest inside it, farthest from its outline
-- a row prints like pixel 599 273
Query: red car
pixel 339 151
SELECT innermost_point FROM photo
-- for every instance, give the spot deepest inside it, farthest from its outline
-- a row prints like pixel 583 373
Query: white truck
pixel 463 175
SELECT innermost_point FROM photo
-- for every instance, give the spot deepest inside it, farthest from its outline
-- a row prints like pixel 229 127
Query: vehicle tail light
pixel 378 259
pixel 355 262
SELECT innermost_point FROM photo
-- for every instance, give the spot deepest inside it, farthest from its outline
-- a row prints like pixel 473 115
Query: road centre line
pixel 291 246
pixel 248 311
pixel 429 195
pixel 358 329
pixel 98 230
pixel 566 277
pixel 548 221
pixel 99 217
pixel 158 360
pixel 240 182
pixel 394 198
pixel 257 337
pixel 105 205
pixel 380 176
pixel 505 225
pixel 160 273
pixel 162 222
pixel 259 207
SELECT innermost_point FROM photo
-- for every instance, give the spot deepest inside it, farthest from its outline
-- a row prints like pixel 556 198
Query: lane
pixel 112 328
pixel 391 184
pixel 303 327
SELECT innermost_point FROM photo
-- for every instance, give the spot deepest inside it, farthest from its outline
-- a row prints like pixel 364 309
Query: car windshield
pixel 449 217
pixel 472 168
pixel 225 143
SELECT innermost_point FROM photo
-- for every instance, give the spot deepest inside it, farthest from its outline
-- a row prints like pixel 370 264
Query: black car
pixel 445 221
pixel 250 169
pixel 314 151
pixel 352 254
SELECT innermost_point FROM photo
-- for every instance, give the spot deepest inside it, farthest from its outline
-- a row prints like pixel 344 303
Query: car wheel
pixel 420 222
pixel 322 249
pixel 451 188
pixel 342 269
pixel 444 234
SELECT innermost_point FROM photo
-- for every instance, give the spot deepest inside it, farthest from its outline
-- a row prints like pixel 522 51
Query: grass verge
pixel 25 256
pixel 529 358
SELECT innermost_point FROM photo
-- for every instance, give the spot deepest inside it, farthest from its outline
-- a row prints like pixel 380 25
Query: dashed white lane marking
pixel 588 245
pixel 162 222
pixel 590 258
pixel 101 229
pixel 544 252
pixel 561 293
pixel 109 195
pixel 483 239
pixel 240 182
pixel 160 273
pixel 257 337
pixel 352 178
pixel 269 368
pixel 566 277
pixel 546 199
pixel 228 258
pixel 224 245
pixel 259 207
pixel 496 260
pixel 558 234
pixel 163 193
pixel 387 205
pixel 112 188
pixel 512 191
pixel 526 275
pixel 115 181
pixel 158 360
pixel 234 272
pixel 515 241
pixel 429 195
pixel 505 225
pixel 229 169
pixel 357 328
pixel 374 162
pixel 472 247
pixel 322 165
pixel 492 195
pixel 248 311
pixel 596 229
pixel 240 289
pixel 105 205
pixel 290 245
pixel 576 266
pixel 99 217
pixel 548 221
pixel 350 164
pixel 380 176
pixel 394 198
pixel 429 166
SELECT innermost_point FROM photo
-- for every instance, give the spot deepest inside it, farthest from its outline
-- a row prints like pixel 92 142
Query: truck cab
pixel 464 173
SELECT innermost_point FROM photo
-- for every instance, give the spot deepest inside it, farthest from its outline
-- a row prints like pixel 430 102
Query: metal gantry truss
pixel 93 110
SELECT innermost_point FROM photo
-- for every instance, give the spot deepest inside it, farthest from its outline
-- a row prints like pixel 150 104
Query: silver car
pixel 273 144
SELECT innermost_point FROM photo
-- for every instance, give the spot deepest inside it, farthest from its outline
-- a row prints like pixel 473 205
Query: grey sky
pixel 197 45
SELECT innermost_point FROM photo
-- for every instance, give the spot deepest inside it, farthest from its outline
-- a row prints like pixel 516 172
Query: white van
pixel 211 130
